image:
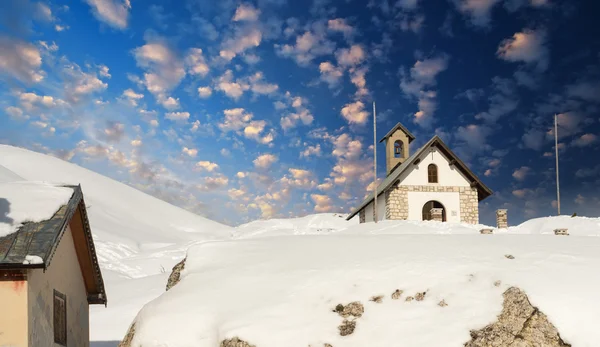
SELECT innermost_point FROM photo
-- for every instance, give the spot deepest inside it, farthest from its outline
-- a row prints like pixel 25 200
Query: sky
pixel 242 110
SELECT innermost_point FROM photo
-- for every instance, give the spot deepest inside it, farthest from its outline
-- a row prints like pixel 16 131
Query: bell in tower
pixel 397 143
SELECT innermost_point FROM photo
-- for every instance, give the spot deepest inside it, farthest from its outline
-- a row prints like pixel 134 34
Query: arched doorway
pixel 433 204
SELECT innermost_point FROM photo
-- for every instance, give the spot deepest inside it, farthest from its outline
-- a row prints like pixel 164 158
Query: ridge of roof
pixel 393 176
pixel 399 125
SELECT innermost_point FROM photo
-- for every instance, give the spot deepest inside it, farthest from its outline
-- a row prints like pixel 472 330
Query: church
pixel 431 184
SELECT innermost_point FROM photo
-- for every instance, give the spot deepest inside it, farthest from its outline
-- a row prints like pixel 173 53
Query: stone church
pixel 431 184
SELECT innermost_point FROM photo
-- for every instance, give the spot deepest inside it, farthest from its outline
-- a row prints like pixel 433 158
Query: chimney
pixel 502 219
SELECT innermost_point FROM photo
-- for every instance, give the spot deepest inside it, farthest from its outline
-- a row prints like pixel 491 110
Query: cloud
pixel 80 84
pixel 309 45
pixel 474 136
pixel 231 88
pixel 291 120
pixel 528 46
pixel 585 89
pixel 196 63
pixel 213 183
pixel 478 11
pixel 242 40
pixel 31 101
pixel 352 165
pixel 204 92
pixel 265 161
pixel 585 140
pixel 235 119
pixel 503 100
pixel 340 25
pixel 258 85
pixel 521 173
pixel 207 166
pixel 330 74
pixel 177 116
pixel 323 203
pixel 15 113
pixel 20 60
pixel 132 97
pixel 113 132
pixel 357 77
pixel 311 151
pixel 521 193
pixel 514 5
pixel 112 12
pixel 254 130
pixel 192 152
pixel 407 5
pixel 569 123
pixel 246 12
pixel 355 113
pixel 299 178
pixel 164 69
pixel 534 139
pixel 347 57
pixel 588 172
pixel 417 84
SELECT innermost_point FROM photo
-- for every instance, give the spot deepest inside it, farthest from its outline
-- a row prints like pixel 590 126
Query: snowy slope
pixel 280 291
pixel 136 235
pixel 316 224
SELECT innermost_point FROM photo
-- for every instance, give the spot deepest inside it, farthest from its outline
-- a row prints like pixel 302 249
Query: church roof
pixel 411 137
pixel 482 189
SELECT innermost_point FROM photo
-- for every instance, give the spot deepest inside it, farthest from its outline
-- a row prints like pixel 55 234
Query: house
pixel 49 271
pixel 431 184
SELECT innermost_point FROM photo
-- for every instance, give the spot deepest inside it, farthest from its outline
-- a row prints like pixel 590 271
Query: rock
pixel 508 256
pixel 420 296
pixel 174 277
pixel 497 283
pixel 354 309
pixel 409 298
pixel 235 342
pixel 518 325
pixel 327 345
pixel 396 295
pixel 128 337
pixel 347 327
pixel 442 303
pixel 377 299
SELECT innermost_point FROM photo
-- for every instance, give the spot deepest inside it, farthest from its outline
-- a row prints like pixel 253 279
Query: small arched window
pixel 398 149
pixel 432 173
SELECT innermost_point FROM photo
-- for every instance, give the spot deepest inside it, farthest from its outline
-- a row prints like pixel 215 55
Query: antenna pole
pixel 556 151
pixel 374 163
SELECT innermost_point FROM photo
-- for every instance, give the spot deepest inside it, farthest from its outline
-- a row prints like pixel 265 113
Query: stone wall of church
pixel 396 201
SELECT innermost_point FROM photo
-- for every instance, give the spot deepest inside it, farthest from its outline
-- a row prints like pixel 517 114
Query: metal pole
pixel 556 150
pixel 375 162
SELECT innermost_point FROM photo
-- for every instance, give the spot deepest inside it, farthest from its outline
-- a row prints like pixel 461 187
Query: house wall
pixel 450 200
pixel 369 212
pixel 13 311
pixel 448 175
pixel 64 275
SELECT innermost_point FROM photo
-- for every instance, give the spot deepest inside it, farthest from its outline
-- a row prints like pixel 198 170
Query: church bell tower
pixel 397 143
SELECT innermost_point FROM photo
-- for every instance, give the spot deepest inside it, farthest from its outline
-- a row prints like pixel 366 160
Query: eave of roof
pixel 483 190
pixel 42 239
pixel 411 137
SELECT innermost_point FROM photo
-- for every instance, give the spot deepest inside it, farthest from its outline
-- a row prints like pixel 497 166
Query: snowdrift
pixel 282 291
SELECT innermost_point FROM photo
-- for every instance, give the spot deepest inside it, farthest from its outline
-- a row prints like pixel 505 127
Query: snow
pixel 33 259
pixel 275 282
pixel 138 238
pixel 22 202
pixel 274 291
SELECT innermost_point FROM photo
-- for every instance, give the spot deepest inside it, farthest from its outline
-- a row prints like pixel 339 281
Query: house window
pixel 60 318
pixel 432 173
pixel 398 149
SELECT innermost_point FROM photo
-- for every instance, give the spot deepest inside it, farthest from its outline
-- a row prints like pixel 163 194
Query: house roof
pixel 42 239
pixel 482 189
pixel 411 137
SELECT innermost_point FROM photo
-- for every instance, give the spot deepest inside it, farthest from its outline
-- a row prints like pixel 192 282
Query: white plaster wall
pixel 13 313
pixel 64 275
pixel 369 212
pixel 416 175
pixel 381 207
pixel 450 200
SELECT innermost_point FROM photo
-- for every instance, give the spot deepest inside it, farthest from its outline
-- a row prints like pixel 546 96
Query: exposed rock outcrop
pixel 128 337
pixel 175 274
pixel 235 342
pixel 354 309
pixel 518 325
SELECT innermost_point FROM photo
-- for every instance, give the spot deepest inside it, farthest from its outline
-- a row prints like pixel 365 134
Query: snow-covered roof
pixel 483 190
pixel 33 218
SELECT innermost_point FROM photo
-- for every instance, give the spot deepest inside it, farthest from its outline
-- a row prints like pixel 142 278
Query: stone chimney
pixel 501 219
pixel 437 214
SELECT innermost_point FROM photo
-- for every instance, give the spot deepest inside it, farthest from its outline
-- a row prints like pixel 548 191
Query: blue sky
pixel 239 110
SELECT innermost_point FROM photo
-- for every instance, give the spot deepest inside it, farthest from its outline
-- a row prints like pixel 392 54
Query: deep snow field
pixel 275 282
